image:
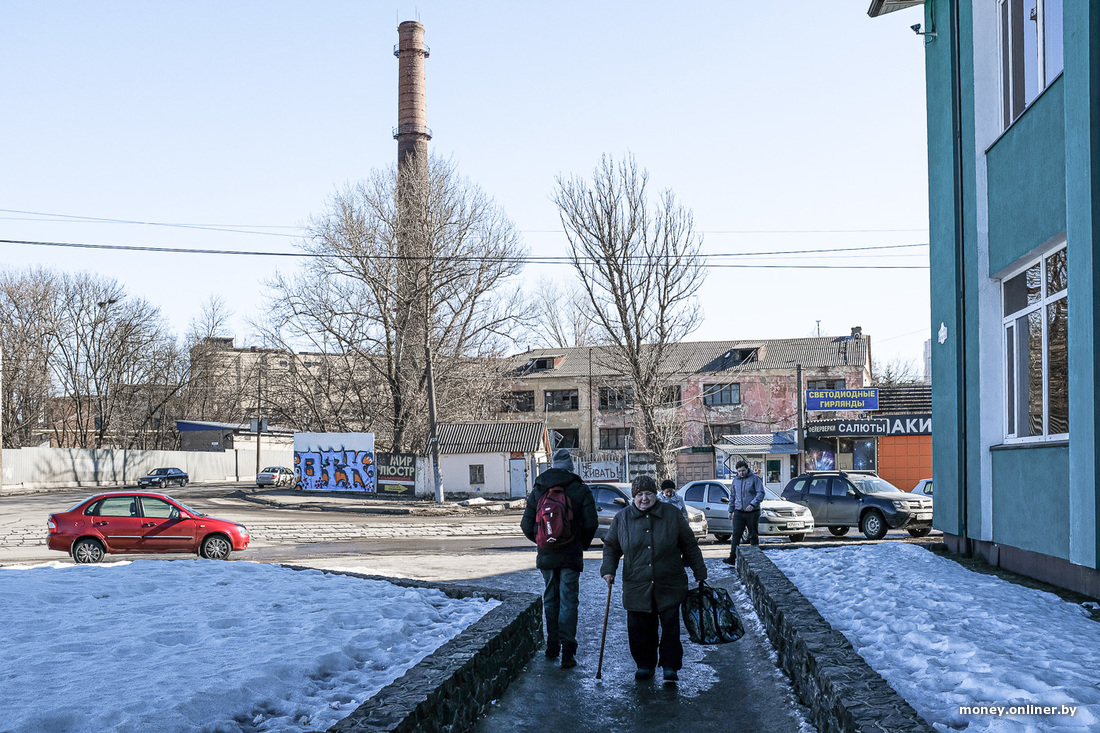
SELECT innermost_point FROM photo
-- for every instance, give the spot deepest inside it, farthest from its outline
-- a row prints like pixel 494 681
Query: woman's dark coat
pixel 654 546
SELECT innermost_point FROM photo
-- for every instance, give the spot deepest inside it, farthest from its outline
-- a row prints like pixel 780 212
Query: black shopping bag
pixel 710 616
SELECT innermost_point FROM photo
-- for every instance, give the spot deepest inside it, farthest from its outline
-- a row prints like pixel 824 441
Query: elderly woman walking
pixel 654 541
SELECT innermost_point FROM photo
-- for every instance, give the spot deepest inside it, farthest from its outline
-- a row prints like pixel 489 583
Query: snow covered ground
pixel 947 638
pixel 195 645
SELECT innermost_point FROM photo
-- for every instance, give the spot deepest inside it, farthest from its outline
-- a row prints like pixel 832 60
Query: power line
pixel 537 259
pixel 243 228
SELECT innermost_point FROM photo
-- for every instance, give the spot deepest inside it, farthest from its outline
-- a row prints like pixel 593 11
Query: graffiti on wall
pixel 334 462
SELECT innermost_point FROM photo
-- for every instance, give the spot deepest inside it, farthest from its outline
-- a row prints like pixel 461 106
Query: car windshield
pixel 769 494
pixel 189 510
pixel 873 485
pixel 159 472
pixel 270 469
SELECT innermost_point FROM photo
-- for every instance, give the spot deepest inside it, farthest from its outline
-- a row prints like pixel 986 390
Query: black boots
pixel 552 649
pixel 568 655
pixel 731 560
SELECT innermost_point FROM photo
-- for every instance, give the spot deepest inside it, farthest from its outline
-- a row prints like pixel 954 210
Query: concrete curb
pixel 428 510
pixel 451 688
pixel 843 693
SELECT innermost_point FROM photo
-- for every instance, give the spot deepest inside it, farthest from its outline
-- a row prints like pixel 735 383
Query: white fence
pixel 48 468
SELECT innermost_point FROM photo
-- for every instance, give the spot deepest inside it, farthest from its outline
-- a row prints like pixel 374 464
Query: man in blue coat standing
pixel 746 495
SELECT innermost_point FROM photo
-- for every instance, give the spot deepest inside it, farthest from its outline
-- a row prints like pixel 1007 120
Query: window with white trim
pixel 1031 51
pixel 1036 349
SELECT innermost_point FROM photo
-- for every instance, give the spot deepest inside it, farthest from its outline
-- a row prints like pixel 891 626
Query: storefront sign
pixel 396 473
pixel 819 400
pixel 920 424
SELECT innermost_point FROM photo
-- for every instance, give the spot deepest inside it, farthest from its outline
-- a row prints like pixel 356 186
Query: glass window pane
pixel 1023 289
pixel 1030 51
pixel 1052 38
pixel 1029 361
pixel 1010 378
pixel 1056 272
pixel 1058 367
pixel 716 493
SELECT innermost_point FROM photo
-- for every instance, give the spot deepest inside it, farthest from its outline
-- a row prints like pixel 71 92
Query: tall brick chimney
pixel 412 133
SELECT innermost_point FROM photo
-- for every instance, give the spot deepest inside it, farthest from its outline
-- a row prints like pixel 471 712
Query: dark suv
pixel 843 499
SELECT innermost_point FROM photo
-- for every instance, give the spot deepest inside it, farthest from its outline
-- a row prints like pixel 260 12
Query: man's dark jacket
pixel 585 520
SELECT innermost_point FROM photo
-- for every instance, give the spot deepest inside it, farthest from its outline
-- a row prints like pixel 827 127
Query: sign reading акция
pixel 820 400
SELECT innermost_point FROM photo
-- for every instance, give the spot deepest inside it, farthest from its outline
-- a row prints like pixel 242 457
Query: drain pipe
pixel 960 270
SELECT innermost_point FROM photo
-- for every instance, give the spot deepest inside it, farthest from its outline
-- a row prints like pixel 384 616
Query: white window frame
pixel 1013 100
pixel 1010 320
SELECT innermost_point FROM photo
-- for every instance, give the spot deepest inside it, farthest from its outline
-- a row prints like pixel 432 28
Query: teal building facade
pixel 1013 98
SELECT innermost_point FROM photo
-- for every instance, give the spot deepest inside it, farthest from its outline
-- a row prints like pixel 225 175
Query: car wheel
pixel 88 551
pixel 873 525
pixel 838 531
pixel 920 531
pixel 216 547
pixel 722 537
pixel 797 537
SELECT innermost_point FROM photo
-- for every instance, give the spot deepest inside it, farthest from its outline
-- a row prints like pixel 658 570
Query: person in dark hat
pixel 561 561
pixel 655 543
pixel 668 495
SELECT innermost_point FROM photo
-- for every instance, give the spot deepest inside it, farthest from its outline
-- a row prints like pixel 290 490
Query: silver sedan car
pixel 611 498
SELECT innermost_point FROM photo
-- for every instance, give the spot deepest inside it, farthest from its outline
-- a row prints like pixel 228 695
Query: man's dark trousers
pixel 560 599
pixel 740 521
pixel 647 652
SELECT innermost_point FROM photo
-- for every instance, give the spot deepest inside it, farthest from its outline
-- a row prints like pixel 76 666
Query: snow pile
pixel 948 639
pixel 195 645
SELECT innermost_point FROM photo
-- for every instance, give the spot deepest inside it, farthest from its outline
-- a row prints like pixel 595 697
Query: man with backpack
pixel 560 518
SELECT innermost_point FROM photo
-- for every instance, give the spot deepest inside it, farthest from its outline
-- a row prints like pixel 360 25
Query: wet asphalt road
pixel 730 687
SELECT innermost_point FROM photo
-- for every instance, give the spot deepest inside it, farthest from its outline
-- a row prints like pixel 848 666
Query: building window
pixel 616 398
pixel 561 400
pixel 1036 349
pixel 1031 51
pixel 825 384
pixel 721 394
pixel 671 396
pixel 518 402
pixel 565 437
pixel 616 438
pixel 713 433
pixel 477 474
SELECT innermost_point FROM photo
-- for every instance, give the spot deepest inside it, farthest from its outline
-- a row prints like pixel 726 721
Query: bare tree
pixel 640 266
pixel 404 265
pixel 213 390
pixel 26 302
pixel 561 316
pixel 116 365
pixel 896 371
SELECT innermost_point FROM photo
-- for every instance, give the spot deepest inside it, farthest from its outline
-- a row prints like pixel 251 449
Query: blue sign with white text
pixel 821 400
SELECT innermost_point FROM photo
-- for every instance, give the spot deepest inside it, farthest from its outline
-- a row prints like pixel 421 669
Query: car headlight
pixel 900 504
pixel 242 529
pixel 769 513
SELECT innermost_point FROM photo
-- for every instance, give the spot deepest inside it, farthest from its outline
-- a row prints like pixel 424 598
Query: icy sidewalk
pixel 949 640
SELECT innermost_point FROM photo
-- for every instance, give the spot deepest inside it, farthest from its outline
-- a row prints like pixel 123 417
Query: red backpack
pixel 554 519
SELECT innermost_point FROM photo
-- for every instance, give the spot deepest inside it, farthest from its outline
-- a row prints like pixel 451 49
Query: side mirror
pixel 725 500
pixel 184 515
pixel 852 492
pixel 619 501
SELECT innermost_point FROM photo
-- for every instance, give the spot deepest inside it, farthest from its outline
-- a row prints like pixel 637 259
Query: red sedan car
pixel 130 522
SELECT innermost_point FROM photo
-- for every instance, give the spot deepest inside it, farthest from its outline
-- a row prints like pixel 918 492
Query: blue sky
pixel 783 126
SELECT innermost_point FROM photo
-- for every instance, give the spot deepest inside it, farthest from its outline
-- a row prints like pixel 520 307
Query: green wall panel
pixel 1027 180
pixel 1031 499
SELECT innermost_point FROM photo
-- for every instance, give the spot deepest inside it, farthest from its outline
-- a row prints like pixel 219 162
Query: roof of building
pixel 492 437
pixel 904 399
pixel 781 442
pixel 185 426
pixel 716 357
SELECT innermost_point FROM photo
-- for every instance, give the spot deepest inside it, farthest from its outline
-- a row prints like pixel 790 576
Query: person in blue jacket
pixel 746 495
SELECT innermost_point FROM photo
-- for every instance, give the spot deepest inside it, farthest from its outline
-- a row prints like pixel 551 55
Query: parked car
pixel 275 476
pixel 923 487
pixel 841 500
pixel 162 478
pixel 611 498
pixel 129 522
pixel 777 517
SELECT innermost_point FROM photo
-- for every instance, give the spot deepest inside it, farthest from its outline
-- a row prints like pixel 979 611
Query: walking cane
pixel 606 613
